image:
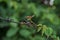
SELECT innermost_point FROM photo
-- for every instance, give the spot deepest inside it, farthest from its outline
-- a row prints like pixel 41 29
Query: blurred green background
pixel 45 16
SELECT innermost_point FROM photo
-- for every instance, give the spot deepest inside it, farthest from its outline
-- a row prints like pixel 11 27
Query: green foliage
pixel 38 38
pixel 48 32
pixel 25 33
pixel 11 32
pixel 44 25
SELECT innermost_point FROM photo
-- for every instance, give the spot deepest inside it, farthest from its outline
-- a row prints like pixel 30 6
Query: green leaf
pixel 33 9
pixel 37 37
pixel 51 17
pixel 14 19
pixel 25 33
pixel 11 32
pixel 13 25
pixel 44 28
pixel 39 28
pixel 53 36
pixel 49 31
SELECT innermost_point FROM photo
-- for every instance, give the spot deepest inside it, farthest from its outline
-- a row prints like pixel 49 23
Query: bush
pixel 29 20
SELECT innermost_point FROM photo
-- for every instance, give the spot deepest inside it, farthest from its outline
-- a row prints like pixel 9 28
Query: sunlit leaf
pixel 44 28
pixel 49 31
pixel 38 29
